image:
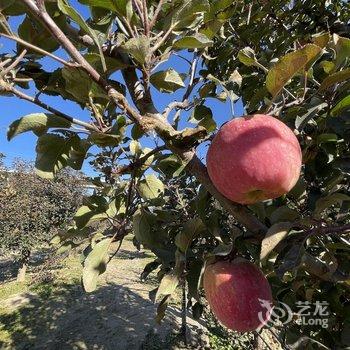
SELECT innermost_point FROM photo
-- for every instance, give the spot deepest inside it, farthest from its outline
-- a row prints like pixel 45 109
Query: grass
pixel 222 339
pixel 68 273
pixel 12 288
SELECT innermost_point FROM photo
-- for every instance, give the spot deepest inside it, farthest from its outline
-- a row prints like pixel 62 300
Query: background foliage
pixel 33 209
pixel 285 58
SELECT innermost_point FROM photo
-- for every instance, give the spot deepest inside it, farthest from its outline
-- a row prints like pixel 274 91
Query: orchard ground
pixel 53 312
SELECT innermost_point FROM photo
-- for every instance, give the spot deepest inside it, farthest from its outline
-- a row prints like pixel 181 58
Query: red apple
pixel 235 291
pixel 254 158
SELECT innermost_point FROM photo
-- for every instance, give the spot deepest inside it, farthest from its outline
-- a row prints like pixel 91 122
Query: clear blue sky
pixel 12 108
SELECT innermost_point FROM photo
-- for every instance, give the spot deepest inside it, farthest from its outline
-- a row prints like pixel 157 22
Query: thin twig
pixel 156 13
pixel 14 64
pixel 145 17
pixel 328 229
pixel 41 104
pixel 138 162
pixel 4 63
pixel 162 40
pixel 61 38
pixel 128 26
pixel 173 105
pixel 139 12
pixel 193 69
pixel 38 49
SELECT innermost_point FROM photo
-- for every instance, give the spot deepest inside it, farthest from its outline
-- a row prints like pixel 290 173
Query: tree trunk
pixel 183 329
pixel 21 274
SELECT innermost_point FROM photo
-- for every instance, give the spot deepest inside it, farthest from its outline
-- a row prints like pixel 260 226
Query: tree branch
pixel 41 104
pixel 156 14
pixel 162 39
pixel 173 105
pixel 145 17
pixel 138 162
pixel 328 229
pixel 38 49
pixel 13 64
pixel 57 33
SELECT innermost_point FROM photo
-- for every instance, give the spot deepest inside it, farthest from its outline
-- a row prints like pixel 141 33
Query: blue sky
pixel 12 108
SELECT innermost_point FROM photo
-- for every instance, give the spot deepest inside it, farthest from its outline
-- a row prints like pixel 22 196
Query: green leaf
pixel 332 199
pixel 274 235
pixel 142 228
pixel 171 165
pixel 191 229
pixel 342 48
pixel 35 33
pixel 247 56
pixel 150 267
pixel 196 41
pixel 335 78
pixel 95 264
pixel 193 277
pixel 197 310
pixel 65 247
pixel 162 308
pixel 113 137
pixel 289 259
pixel 138 47
pixel 104 140
pixel 167 81
pixel 112 64
pixel 79 84
pixel 344 104
pixel 118 6
pixel 39 123
pixel 68 10
pixel 323 138
pixel 85 215
pixel 327 66
pixel 5 3
pixel 150 187
pixel 185 14
pixel 55 152
pixel 12 8
pixel 284 213
pixel 203 116
pixel 285 69
pixel 301 121
pixel 167 285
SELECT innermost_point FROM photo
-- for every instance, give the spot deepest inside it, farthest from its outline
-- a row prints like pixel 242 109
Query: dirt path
pixel 119 315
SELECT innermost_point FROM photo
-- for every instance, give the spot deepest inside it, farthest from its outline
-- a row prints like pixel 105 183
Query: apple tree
pixel 33 209
pixel 288 59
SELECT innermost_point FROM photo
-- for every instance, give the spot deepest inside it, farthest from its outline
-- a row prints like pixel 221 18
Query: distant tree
pixel 33 209
pixel 287 59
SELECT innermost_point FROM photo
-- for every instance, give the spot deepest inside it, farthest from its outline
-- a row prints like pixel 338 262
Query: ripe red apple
pixel 233 290
pixel 254 158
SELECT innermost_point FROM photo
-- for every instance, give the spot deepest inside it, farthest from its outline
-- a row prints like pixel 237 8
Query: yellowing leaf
pixel 288 66
pixel 167 285
pixel 151 187
pixel 335 78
